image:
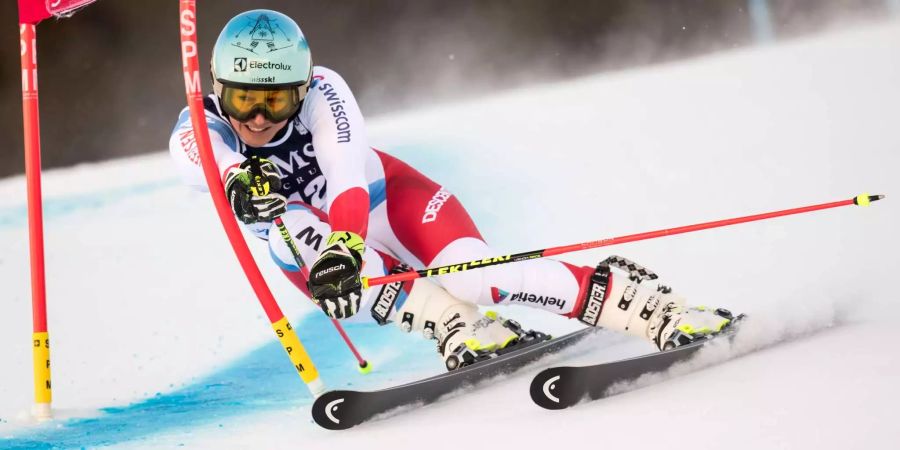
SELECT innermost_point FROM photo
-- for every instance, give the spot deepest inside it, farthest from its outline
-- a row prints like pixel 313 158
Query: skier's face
pixel 257 131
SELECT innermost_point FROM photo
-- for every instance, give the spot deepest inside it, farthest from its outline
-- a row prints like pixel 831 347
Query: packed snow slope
pixel 159 342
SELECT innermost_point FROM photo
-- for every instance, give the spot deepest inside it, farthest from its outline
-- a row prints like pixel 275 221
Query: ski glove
pixel 334 276
pixel 250 189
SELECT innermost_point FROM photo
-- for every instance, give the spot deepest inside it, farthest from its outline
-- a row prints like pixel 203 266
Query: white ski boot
pixel 464 335
pixel 641 307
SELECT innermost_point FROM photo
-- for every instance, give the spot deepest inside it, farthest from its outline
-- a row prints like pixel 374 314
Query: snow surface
pixel 158 340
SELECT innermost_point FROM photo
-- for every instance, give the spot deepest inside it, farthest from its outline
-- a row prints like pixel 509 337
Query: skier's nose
pixel 258 120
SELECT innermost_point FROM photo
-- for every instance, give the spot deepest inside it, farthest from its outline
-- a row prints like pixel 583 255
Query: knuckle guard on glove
pixel 269 207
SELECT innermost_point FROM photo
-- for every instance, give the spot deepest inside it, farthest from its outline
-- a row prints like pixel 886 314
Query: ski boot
pixel 464 335
pixel 636 305
pixel 469 346
pixel 697 322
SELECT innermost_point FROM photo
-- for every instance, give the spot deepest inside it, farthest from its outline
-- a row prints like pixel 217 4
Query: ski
pixel 343 409
pixel 564 387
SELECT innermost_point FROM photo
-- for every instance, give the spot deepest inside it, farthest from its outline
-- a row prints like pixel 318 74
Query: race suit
pixel 334 181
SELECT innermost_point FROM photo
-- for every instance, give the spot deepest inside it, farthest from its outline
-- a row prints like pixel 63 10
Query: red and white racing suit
pixel 334 181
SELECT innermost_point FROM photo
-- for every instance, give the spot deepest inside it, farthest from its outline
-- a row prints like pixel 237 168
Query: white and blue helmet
pixel 261 49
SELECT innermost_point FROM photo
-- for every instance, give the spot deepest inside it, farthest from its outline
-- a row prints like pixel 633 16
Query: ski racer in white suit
pixel 352 210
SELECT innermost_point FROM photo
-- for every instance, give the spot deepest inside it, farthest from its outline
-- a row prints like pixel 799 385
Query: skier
pixel 354 211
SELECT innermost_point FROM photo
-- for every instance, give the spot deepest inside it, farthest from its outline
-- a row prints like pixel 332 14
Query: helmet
pixel 262 52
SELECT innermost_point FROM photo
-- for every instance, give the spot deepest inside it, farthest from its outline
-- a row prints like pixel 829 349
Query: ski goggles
pixel 274 104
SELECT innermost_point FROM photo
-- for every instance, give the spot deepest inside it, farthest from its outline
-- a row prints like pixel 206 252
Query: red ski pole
pixel 860 200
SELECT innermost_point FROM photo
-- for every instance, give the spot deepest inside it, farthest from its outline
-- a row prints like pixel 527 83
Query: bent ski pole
pixel 860 200
pixel 364 366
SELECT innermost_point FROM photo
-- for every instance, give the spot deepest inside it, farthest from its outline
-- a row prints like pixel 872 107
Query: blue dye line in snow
pixel 55 207
pixel 258 382
pixel 261 381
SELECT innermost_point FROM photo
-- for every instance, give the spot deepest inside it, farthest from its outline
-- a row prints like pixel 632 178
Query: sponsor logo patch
pixel 240 64
pixel 385 301
pixel 435 204
pixel 267 65
pixel 324 272
pixel 591 312
pixel 498 295
pixel 542 300
pixel 336 105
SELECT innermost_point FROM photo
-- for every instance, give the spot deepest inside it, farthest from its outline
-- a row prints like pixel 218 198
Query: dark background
pixel 111 83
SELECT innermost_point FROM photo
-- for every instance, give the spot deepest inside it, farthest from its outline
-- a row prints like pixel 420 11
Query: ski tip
pixel 330 412
pixel 547 389
pixel 865 199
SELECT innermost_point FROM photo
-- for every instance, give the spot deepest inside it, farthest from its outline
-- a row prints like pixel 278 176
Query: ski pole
pixel 262 188
pixel 364 366
pixel 860 200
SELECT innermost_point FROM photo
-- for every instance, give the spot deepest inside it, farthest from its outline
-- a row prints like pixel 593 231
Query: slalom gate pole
pixel 43 394
pixel 860 200
pixel 364 366
pixel 32 12
pixel 194 91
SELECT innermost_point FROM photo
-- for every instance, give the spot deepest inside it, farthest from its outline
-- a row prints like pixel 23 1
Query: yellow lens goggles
pixel 274 104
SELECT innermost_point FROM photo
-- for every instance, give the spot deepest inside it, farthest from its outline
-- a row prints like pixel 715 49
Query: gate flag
pixel 33 11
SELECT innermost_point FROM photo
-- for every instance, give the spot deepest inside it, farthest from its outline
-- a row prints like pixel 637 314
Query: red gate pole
pixel 40 336
pixel 193 90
